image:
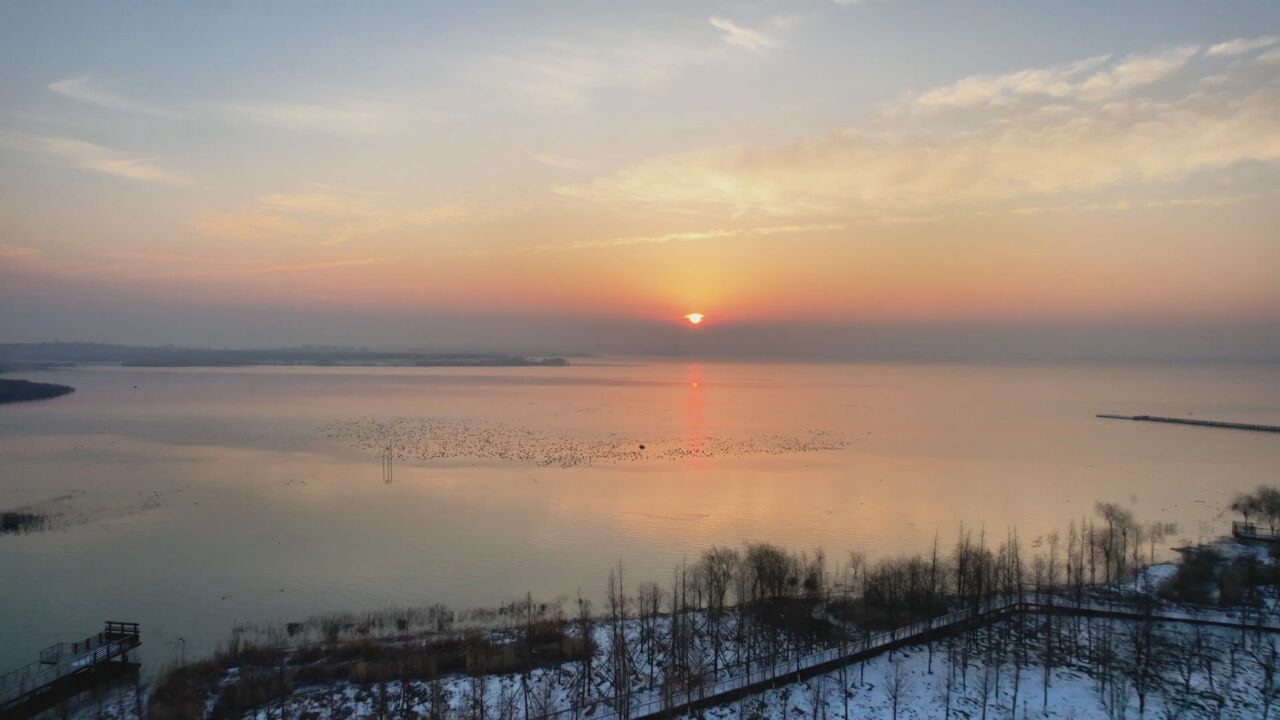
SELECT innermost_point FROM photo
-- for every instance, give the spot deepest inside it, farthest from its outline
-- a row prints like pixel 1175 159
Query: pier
pixel 66 669
pixel 1201 423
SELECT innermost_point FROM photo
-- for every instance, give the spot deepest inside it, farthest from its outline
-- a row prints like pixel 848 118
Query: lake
pixel 192 500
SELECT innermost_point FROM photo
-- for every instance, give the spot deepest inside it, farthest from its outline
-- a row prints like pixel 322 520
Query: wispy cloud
pixel 9 251
pixel 246 225
pixel 98 159
pixel 687 236
pixel 1214 200
pixel 743 37
pixel 1059 81
pixel 84 90
pixel 320 203
pixel 1055 134
pixel 364 118
pixel 564 77
pixel 1240 46
pixel 238 268
pixel 126 266
pixel 1095 79
pixel 327 217
pixel 1135 71
pixel 557 161
pixel 357 119
pixel 1115 205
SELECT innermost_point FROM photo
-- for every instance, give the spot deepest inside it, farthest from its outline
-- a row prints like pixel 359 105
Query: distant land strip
pixel 15 356
pixel 12 391
pixel 1201 423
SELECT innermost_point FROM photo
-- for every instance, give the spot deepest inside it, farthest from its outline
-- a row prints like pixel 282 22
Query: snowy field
pixel 1074 693
pixel 1102 669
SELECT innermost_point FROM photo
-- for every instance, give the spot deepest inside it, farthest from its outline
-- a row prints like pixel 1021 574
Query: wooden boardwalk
pixel 653 703
pixel 65 669
pixel 1249 531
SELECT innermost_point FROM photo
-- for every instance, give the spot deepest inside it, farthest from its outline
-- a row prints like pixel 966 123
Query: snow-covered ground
pixel 1099 667
pixel 1176 689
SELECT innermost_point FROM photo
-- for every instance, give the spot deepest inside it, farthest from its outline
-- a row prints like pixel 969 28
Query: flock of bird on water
pixel 455 439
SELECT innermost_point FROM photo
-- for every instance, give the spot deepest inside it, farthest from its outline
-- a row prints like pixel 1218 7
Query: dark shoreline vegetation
pixel 12 391
pixel 759 605
pixel 44 354
pixel 14 522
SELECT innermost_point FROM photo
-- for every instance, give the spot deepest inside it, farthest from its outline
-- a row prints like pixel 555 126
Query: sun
pixel 694 318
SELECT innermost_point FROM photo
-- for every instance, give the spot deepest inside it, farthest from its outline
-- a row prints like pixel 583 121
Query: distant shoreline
pixel 30 355
pixel 15 391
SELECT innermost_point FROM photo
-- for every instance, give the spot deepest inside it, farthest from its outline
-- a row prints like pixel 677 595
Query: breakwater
pixel 1201 423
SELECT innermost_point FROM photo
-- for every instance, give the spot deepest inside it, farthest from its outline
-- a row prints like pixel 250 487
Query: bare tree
pixel 506 706
pixel 648 607
pixel 984 693
pixel 932 598
pixel 1267 502
pixel 1141 667
pixel 1114 539
pixel 619 660
pixel 1156 533
pixel 948 685
pixel 817 688
pixel 586 635
pixel 718 568
pixel 476 697
pixel 896 685
pixel 1265 658
pixel 1246 505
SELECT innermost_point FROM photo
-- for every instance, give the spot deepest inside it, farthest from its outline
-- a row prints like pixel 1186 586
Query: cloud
pixel 687 236
pixel 1094 79
pixel 83 90
pixel 319 203
pixel 563 77
pixel 246 225
pixel 1216 200
pixel 1135 71
pixel 361 119
pixel 350 119
pixel 980 90
pixel 330 218
pixel 9 251
pixel 741 37
pixel 1204 201
pixel 239 268
pixel 557 161
pixel 99 159
pixel 1046 141
pixel 1116 205
pixel 1240 46
pixel 566 76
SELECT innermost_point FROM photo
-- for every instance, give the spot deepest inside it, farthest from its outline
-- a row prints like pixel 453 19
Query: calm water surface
pixel 193 500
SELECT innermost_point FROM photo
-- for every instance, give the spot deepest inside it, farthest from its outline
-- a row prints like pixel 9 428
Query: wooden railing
pixel 63 659
pixel 1249 531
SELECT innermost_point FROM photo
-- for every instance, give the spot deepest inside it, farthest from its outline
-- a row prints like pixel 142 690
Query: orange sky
pixel 637 169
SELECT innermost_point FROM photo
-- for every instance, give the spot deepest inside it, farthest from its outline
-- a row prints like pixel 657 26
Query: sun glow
pixel 694 318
